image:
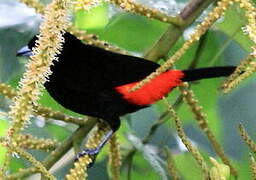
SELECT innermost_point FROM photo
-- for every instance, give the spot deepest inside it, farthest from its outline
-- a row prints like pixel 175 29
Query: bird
pixel 95 82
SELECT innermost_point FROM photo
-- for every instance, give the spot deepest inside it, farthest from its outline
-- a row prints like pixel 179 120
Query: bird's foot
pixel 92 153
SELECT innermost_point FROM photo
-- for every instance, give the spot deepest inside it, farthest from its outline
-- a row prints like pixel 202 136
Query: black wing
pixel 83 66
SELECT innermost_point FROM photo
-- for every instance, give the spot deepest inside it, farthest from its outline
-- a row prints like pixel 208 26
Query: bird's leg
pixel 95 151
pixel 114 124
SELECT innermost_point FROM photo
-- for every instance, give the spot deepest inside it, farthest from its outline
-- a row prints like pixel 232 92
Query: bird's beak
pixel 25 51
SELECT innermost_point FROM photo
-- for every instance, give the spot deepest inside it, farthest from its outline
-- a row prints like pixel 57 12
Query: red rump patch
pixel 153 90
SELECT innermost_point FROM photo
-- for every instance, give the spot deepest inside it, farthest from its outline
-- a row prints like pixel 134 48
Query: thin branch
pixel 65 146
pixel 193 150
pixel 246 138
pixel 200 117
pixel 189 14
pixel 114 161
pixel 172 171
pixel 140 9
pixel 253 167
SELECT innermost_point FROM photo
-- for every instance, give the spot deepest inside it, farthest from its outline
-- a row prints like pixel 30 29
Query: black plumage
pixel 85 77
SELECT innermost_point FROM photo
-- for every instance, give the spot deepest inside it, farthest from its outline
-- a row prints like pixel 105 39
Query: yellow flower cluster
pixel 253 166
pixel 246 138
pixel 114 161
pixel 200 117
pixel 39 167
pixel 247 66
pixel 243 70
pixel 219 171
pixel 79 170
pixel 250 28
pixel 172 170
pixel 85 4
pixel 27 141
pixel 132 6
pixel 96 135
pixel 193 150
pixel 7 91
pixel 92 39
pixel 38 68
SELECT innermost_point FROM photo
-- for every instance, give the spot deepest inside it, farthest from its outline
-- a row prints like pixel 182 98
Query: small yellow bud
pixel 219 171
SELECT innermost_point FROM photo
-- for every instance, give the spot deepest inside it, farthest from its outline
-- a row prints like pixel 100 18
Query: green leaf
pixel 96 18
pixel 234 20
pixel 132 32
pixel 187 166
pixel 57 132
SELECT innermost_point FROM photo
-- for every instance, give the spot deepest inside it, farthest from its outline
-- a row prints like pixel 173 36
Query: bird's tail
pixel 205 73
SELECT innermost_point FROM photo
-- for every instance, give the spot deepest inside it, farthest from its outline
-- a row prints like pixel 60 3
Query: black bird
pixel 95 82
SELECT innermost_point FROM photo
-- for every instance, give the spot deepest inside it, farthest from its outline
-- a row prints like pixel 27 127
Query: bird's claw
pixel 92 153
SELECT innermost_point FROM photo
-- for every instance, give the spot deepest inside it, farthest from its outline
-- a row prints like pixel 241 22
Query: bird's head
pixel 27 50
pixel 71 42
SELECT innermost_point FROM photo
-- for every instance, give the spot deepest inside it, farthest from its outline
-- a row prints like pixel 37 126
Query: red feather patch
pixel 153 90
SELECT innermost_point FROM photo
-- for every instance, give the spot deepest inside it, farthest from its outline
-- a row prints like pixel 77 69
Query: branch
pixel 172 34
pixel 51 159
